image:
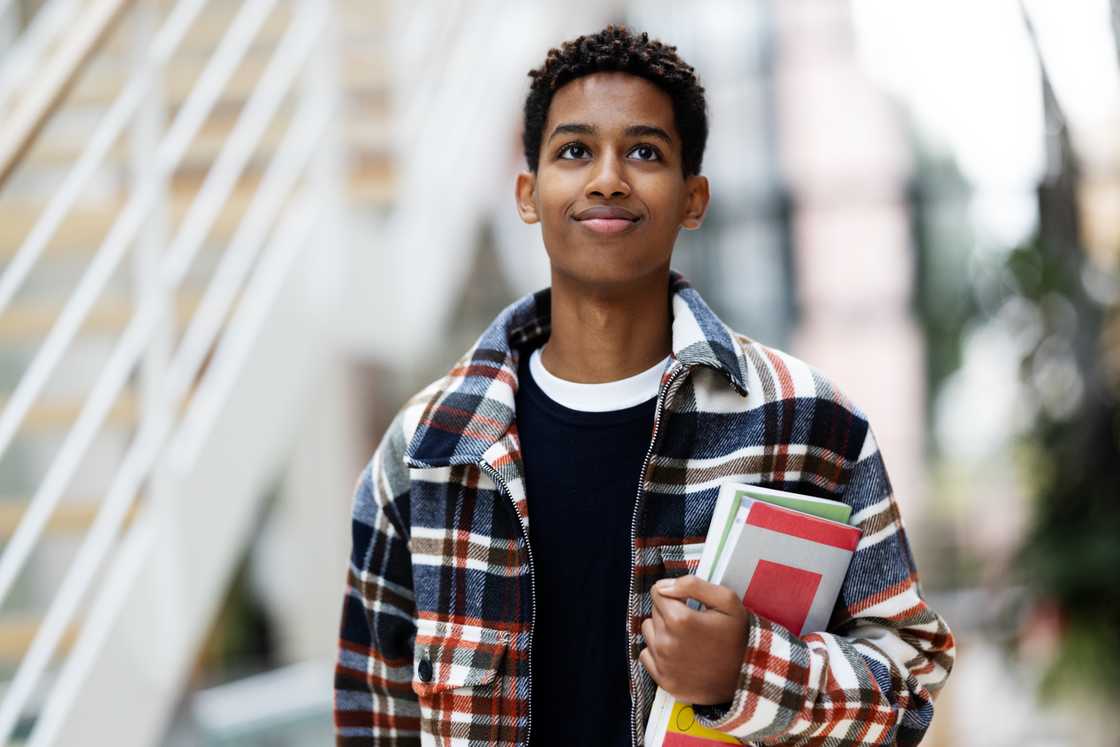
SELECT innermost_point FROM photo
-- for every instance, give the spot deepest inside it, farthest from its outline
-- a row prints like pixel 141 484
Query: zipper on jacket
pixel 504 489
pixel 634 530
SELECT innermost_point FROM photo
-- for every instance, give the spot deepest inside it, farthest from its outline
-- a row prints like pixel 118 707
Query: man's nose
pixel 607 179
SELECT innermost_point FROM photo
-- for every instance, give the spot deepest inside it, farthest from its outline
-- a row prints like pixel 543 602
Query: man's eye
pixel 573 151
pixel 646 153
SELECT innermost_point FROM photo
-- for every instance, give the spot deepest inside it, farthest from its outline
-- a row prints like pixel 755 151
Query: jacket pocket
pixel 681 559
pixel 449 656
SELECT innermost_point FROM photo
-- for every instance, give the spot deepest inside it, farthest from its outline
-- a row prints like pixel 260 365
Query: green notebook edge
pixel 736 502
pixel 820 507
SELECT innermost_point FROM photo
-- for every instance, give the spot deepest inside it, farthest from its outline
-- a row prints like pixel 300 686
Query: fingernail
pixel 665 584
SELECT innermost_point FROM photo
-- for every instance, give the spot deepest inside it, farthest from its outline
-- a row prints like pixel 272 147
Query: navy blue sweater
pixel 581 477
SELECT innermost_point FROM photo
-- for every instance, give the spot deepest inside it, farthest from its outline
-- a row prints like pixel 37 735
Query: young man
pixel 524 534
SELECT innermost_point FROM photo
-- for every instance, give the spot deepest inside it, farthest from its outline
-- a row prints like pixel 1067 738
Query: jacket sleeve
pixel 373 698
pixel 870 680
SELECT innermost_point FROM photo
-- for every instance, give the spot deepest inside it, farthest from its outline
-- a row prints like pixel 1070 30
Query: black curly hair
pixel 615 48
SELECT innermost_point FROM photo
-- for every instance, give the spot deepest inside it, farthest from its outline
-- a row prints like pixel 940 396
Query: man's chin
pixel 605 274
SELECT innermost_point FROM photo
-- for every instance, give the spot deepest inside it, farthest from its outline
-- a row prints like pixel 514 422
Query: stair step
pixel 53 415
pixel 216 18
pixel 371 134
pixel 84 228
pixel 17 632
pixel 59 412
pixel 71 517
pixel 104 81
pixel 207 30
pixel 31 322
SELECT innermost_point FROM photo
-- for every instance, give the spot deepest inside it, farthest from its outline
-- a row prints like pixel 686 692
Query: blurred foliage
pixel 1086 660
pixel 1049 297
pixel 1071 554
pixel 939 198
pixel 1063 314
pixel 1071 451
pixel 942 233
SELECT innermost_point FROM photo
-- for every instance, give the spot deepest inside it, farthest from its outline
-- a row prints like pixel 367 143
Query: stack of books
pixel 785 555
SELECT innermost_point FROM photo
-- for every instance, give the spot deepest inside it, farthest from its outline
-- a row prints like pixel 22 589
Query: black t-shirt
pixel 581 477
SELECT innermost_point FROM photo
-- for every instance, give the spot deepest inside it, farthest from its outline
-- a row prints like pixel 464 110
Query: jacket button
pixel 425 670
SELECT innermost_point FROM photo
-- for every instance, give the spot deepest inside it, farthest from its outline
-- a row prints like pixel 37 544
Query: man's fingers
pixel 646 658
pixel 667 609
pixel 648 631
pixel 712 596
pixel 658 617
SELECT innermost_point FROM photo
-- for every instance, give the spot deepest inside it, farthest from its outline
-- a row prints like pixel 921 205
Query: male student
pixel 523 535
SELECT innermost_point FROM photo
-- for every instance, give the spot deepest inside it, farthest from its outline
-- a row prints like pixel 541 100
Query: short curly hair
pixel 615 48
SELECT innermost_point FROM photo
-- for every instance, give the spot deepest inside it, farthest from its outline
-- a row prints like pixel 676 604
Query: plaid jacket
pixel 437 621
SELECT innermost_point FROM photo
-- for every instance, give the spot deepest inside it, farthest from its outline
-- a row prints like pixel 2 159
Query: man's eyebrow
pixel 574 128
pixel 648 131
pixel 639 130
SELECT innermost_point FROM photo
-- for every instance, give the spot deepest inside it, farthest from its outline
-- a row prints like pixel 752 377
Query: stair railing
pixel 164 44
pixel 276 189
pixel 35 109
pixel 27 50
pixel 105 261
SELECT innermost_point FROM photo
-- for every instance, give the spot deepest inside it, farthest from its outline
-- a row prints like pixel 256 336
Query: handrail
pixel 166 40
pixel 165 433
pixel 24 53
pixel 299 143
pixel 252 121
pixel 221 293
pixel 187 122
pixel 67 65
pixel 287 241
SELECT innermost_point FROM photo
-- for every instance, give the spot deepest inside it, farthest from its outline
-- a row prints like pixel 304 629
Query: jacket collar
pixel 473 406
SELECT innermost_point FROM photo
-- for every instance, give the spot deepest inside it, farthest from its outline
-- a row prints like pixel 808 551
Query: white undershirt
pixel 605 397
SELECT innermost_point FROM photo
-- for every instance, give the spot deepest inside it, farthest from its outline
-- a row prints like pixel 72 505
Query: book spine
pixel 658 718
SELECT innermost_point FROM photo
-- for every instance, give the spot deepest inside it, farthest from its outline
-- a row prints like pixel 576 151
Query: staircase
pixel 162 302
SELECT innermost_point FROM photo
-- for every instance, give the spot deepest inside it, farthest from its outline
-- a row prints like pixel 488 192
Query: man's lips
pixel 607 220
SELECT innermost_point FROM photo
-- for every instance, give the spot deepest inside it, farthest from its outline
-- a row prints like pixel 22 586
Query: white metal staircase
pixel 170 167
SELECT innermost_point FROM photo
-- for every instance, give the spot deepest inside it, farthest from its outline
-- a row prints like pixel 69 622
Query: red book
pixel 786 565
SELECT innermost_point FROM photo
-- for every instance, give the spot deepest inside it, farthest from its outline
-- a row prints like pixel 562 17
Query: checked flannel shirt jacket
pixel 437 620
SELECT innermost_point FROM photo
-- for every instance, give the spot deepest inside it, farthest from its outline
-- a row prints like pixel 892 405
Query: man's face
pixel 609 191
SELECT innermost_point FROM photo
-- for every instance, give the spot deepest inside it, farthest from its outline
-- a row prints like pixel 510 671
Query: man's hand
pixel 695 655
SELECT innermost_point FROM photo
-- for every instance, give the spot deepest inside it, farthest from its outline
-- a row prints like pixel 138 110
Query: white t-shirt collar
pixel 605 397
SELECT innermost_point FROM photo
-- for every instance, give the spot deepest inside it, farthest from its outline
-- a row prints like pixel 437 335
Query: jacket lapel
pixel 470 416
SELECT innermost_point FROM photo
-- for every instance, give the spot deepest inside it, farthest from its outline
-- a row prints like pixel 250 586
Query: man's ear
pixel 526 203
pixel 696 202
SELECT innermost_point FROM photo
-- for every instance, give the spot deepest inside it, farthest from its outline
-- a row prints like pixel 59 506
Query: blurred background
pixel 235 236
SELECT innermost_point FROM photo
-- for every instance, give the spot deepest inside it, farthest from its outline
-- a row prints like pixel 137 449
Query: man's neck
pixel 606 335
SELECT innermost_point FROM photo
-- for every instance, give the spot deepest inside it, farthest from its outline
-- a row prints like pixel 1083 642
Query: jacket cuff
pixel 773 682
